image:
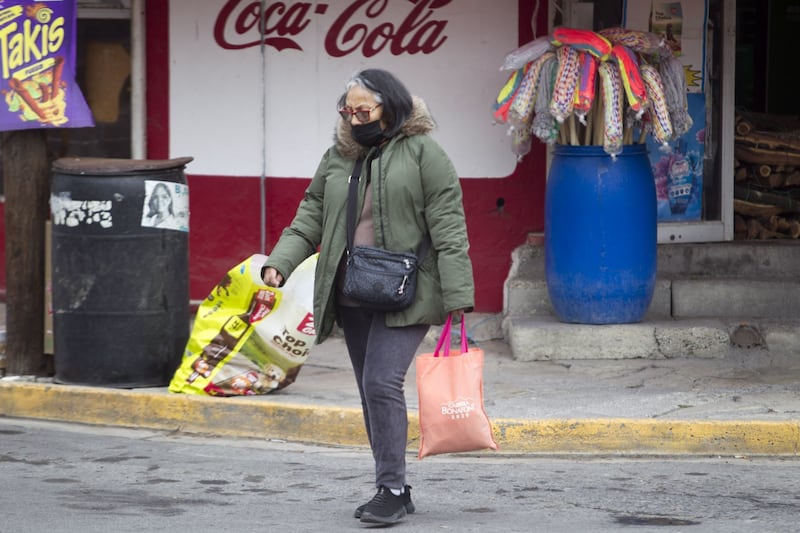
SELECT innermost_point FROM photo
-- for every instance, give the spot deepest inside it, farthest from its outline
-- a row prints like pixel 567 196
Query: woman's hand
pixel 457 314
pixel 272 277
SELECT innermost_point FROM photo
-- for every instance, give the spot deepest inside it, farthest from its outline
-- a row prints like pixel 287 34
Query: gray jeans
pixel 381 357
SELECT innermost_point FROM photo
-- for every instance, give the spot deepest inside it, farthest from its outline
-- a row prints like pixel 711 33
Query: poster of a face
pixel 166 205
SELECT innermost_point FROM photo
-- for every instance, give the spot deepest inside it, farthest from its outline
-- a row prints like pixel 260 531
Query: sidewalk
pixel 747 403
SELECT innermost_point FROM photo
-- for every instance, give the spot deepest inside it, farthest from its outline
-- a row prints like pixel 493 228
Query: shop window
pixel 103 72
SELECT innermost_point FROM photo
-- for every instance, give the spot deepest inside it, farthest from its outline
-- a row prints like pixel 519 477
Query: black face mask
pixel 369 134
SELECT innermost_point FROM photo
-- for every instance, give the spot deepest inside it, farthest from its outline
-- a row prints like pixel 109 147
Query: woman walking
pixel 409 199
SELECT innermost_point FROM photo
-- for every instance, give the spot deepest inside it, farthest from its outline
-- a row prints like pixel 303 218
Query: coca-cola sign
pixel 363 25
pixel 269 73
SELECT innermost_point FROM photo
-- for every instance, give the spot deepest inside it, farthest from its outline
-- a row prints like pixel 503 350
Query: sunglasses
pixel 361 114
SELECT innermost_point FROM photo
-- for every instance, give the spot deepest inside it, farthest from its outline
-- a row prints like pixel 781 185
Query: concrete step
pixel 681 298
pixel 709 298
pixel 735 298
pixel 773 259
pixel 530 298
pixel 543 338
pixel 713 280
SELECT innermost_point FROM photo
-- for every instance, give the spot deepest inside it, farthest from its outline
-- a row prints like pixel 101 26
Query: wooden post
pixel 26 175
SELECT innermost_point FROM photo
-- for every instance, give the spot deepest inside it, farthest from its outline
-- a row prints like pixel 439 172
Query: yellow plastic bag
pixel 249 338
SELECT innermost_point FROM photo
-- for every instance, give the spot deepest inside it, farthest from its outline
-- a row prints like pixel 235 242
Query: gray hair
pixel 388 91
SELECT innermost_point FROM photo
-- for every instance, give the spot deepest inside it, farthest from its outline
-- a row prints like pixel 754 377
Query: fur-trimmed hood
pixel 419 123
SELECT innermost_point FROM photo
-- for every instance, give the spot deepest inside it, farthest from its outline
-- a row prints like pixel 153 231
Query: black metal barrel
pixel 120 274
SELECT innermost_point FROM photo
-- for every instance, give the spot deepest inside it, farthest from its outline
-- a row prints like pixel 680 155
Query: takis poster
pixel 37 66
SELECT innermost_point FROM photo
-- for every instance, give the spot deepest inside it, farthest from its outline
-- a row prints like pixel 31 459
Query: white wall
pixel 241 112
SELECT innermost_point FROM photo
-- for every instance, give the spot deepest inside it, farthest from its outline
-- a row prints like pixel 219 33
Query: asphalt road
pixel 68 477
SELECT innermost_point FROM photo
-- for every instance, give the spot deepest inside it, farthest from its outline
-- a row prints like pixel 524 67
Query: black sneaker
pixel 384 508
pixel 409 505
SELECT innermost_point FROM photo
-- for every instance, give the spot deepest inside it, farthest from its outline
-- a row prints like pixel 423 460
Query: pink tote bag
pixel 450 387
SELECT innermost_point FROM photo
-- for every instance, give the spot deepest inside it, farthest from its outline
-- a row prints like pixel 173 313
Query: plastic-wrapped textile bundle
pixel 545 126
pixel 673 80
pixel 527 53
pixel 563 97
pixel 611 93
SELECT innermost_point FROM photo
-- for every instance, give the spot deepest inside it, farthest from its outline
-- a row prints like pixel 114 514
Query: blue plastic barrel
pixel 600 234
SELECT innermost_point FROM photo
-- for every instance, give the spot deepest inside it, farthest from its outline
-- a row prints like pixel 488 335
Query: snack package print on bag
pixel 249 338
pixel 451 412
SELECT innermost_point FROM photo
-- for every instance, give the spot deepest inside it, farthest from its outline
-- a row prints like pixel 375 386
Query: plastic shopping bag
pixel 249 338
pixel 451 414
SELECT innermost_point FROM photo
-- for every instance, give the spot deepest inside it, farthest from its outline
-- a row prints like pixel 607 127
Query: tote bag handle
pixel 444 338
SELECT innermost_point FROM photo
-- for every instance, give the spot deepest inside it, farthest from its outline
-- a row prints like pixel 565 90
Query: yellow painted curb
pixel 259 418
pixel 651 436
pixel 185 413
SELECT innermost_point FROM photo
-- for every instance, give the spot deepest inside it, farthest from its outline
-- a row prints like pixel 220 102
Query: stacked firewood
pixel 766 195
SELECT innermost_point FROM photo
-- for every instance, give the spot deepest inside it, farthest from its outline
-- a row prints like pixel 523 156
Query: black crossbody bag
pixel 376 278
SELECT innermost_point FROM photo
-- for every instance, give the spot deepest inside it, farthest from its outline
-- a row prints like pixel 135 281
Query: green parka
pixel 415 191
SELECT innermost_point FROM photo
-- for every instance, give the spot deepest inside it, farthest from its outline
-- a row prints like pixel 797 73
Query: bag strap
pixel 352 201
pixel 444 339
pixel 464 345
pixel 352 204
